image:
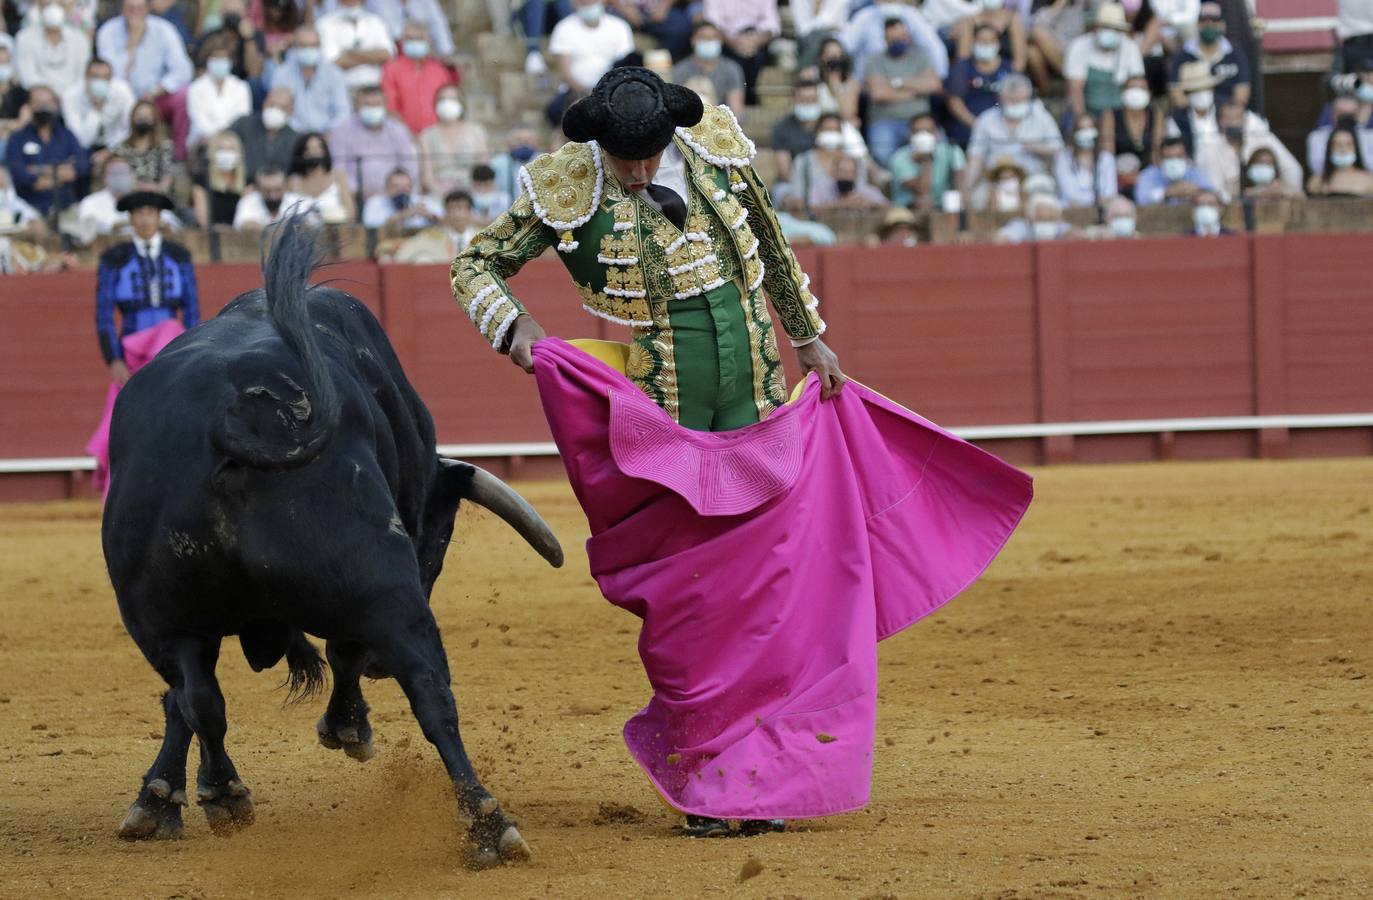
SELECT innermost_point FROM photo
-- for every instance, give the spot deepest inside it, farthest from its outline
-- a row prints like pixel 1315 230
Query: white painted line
pixel 1299 24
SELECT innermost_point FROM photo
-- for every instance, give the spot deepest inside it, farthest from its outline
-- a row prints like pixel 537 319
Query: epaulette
pixel 117 255
pixel 719 139
pixel 565 187
pixel 173 250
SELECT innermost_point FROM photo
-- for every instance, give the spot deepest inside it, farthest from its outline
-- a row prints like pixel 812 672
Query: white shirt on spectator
pixel 97 214
pixel 106 124
pixel 379 209
pixel 58 66
pixel 591 51
pixel 824 15
pixel 214 106
pixel 993 138
pixel 1353 17
pixel 340 32
pixel 1085 53
pixel 252 211
pixel 13 209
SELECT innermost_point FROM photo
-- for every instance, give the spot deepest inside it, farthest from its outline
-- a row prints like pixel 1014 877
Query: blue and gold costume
pixel 147 284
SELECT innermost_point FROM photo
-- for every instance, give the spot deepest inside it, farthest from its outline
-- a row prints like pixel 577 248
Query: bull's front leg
pixel 413 651
pixel 344 725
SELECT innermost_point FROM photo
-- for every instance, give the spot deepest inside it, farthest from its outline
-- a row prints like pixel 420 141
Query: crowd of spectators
pixel 355 109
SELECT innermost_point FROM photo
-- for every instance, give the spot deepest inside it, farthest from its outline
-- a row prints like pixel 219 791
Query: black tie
pixel 670 203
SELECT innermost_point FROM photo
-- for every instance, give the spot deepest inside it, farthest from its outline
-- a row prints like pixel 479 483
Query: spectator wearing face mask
pixel 268 138
pixel 452 146
pixel 974 83
pixel 814 21
pixel 1225 62
pixel 899 85
pixel 320 88
pixel 411 82
pixel 584 46
pixel 217 191
pixel 217 98
pixel 1139 129
pixel 1345 173
pixel 357 41
pixel 521 145
pixel 1241 133
pixel 840 88
pixel 446 239
pixel 1100 63
pixel 372 144
pixel 926 168
pixel 52 52
pixel 399 206
pixel 1121 220
pixel 148 52
pixel 147 150
pixel 238 34
pixel 396 13
pixel 98 212
pixel 747 27
pixel 794 133
pixel 1043 222
pixel 865 36
pixel 1207 211
pixel 320 187
pixel 1008 26
pixel 1262 179
pixel 726 76
pixel 1345 111
pixel 664 20
pixel 898 228
pixel 1173 180
pixel 1019 127
pixel 812 173
pixel 97 108
pixel 847 189
pixel 488 200
pixel 1196 121
pixel 269 202
pixel 1086 171
pixel 47 163
pixel 1003 191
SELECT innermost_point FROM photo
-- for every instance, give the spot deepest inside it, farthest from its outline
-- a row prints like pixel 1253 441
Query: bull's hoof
pixel 155 815
pixel 356 741
pixel 228 807
pixel 493 839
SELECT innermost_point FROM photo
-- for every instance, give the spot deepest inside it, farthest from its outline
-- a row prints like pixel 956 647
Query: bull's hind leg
pixel 227 803
pixel 413 651
pixel 344 724
pixel 156 814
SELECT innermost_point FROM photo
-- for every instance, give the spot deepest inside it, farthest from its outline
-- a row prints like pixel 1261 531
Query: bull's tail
pixel 281 427
pixel 307 676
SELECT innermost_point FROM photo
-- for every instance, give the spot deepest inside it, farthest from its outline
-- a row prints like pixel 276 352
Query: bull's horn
pixel 489 491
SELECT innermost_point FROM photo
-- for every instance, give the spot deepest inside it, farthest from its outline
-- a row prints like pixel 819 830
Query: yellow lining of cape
pixel 616 355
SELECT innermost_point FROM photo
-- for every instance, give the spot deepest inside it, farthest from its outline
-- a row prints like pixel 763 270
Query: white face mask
pixel 372 116
pixel 1108 39
pixel 1206 217
pixel 54 15
pixel 1008 195
pixel 1262 173
pixel 1045 231
pixel 1344 160
pixel 591 15
pixel 448 109
pixel 1201 101
pixel 1135 98
pixel 1016 111
pixel 829 140
pixel 1123 226
pixel 923 143
pixel 991 5
pixel 274 117
pixel 1174 169
pixel 226 160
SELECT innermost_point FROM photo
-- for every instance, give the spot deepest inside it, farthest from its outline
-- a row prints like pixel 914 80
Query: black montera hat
pixel 139 199
pixel 632 113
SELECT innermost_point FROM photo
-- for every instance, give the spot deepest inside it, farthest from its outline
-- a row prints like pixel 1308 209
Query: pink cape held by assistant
pixel 766 563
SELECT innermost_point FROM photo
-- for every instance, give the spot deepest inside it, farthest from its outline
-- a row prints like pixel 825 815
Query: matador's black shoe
pixel 705 827
pixel 755 827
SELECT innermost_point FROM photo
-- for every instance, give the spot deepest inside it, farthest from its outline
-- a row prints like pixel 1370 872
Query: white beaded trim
pixel 568 246
pixel 738 187
pixel 504 327
pixel 528 183
pixel 633 323
pixel 691 292
pixel 613 261
pixel 623 226
pixel 481 295
pixel 743 217
pixel 762 270
pixel 693 265
pixel 728 162
pixel 676 245
pixel 714 284
pixel 719 195
pixel 753 248
pixel 697 237
pixel 491 313
pixel 616 292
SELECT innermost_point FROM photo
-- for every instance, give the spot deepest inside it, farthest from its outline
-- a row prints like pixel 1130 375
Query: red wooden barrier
pixel 966 335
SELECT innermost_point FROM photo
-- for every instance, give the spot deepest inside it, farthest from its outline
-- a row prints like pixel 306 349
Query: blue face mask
pixel 708 49
pixel 416 49
pixel 307 56
pixel 1365 92
pixel 986 52
pixel 219 67
pixel 898 48
pixel 523 153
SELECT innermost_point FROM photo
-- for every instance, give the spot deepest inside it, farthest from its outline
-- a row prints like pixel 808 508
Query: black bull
pixel 275 474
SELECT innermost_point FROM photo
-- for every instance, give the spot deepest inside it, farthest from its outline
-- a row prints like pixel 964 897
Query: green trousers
pixel 710 344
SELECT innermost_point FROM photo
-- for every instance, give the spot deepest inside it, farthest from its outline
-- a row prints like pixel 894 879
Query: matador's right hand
pixel 523 335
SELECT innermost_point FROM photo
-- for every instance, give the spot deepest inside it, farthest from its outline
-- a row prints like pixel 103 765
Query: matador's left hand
pixel 816 357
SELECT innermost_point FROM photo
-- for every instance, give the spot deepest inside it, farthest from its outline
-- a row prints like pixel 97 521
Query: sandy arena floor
pixel 1159 690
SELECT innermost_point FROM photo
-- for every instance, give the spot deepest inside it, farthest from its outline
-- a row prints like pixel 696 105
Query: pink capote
pixel 139 348
pixel 766 564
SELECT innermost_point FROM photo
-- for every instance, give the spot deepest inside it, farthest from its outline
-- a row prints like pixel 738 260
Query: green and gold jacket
pixel 630 263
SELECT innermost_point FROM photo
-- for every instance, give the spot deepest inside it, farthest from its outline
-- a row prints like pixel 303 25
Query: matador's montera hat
pixel 632 113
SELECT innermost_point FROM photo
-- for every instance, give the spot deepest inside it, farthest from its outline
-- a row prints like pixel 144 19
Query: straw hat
pixel 1196 76
pixel 1111 15
pixel 1005 164
pixel 896 217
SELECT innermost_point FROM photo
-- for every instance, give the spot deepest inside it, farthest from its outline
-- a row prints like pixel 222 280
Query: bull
pixel 273 475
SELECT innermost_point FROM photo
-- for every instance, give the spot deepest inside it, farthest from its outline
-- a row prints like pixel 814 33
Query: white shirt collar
pixel 672 172
pixel 151 248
